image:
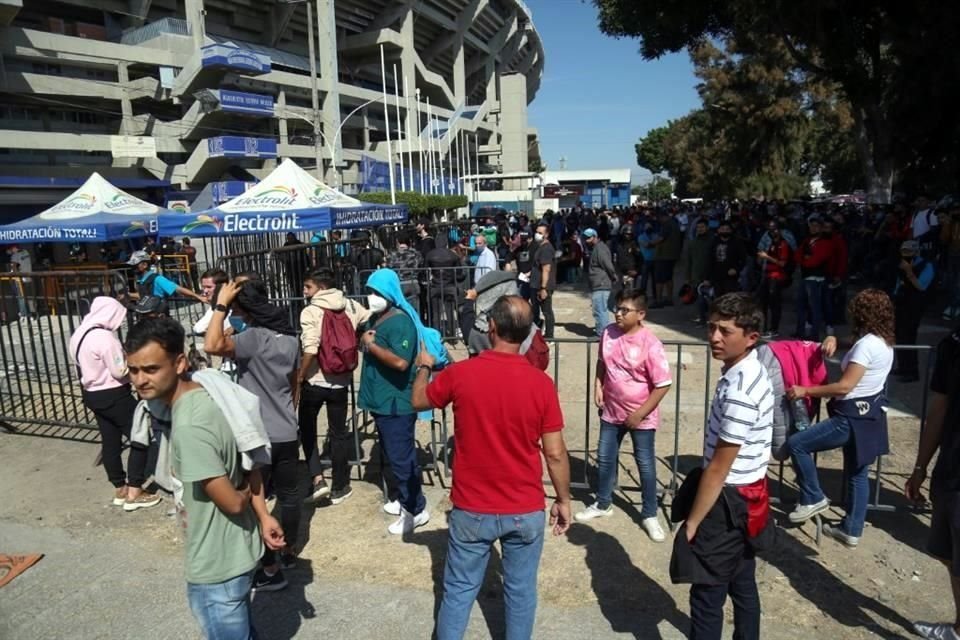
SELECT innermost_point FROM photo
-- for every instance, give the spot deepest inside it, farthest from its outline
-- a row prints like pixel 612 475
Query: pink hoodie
pixel 802 364
pixel 101 359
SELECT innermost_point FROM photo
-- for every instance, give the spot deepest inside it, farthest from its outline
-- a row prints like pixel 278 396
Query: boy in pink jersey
pixel 633 377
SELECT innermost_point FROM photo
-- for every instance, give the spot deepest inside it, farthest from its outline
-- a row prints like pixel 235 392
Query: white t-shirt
pixel 742 414
pixel 923 221
pixel 872 353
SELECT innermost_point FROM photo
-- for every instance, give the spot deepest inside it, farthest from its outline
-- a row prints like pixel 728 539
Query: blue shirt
pixel 925 278
pixel 648 252
pixel 162 287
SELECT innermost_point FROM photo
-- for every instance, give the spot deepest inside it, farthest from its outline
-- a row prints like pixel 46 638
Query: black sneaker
pixel 339 495
pixel 263 582
pixel 288 561
pixel 319 491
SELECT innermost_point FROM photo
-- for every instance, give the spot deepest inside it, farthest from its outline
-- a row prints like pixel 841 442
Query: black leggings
pixel 113 409
pixel 770 295
pixel 312 398
pixel 282 473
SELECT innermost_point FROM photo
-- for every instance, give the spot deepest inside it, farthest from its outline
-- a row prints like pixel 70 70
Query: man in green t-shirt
pixel 223 504
pixel 390 346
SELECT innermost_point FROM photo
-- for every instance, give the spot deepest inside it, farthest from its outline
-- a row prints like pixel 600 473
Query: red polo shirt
pixel 502 405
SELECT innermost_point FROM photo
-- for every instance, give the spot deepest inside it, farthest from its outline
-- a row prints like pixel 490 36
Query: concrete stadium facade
pixel 180 94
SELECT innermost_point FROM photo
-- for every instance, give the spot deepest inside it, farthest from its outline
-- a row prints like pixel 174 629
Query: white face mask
pixel 538 237
pixel 376 303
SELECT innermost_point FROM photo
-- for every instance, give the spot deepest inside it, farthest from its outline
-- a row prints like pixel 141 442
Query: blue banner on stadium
pixel 248 103
pixel 239 147
pixel 232 57
pixel 375 176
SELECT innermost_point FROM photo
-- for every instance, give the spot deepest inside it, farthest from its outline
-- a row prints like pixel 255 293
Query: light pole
pixel 314 88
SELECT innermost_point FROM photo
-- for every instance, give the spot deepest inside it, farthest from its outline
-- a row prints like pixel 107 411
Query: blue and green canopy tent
pixel 96 212
pixel 288 200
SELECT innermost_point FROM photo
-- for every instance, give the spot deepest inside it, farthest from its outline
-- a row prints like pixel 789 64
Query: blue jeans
pixel 608 450
pixel 600 300
pixel 830 434
pixel 810 307
pixel 397 439
pixel 468 550
pixel 223 608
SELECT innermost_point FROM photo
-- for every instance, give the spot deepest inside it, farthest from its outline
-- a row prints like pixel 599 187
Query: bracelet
pixel 424 366
pixel 220 307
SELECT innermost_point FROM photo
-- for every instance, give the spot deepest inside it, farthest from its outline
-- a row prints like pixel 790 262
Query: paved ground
pixel 107 574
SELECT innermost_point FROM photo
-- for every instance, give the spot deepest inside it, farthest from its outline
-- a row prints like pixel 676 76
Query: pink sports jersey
pixel 636 365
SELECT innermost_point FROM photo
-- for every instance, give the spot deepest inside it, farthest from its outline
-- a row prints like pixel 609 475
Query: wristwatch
pixel 220 307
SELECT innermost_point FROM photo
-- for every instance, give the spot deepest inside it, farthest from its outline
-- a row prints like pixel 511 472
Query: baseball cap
pixel 590 233
pixel 911 246
pixel 138 257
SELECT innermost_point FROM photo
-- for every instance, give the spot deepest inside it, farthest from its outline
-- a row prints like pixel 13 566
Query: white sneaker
pixel 407 522
pixel 936 630
pixel 804 512
pixel 593 511
pixel 393 507
pixel 653 529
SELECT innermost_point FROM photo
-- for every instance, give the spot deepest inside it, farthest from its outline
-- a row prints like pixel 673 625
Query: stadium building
pixel 172 98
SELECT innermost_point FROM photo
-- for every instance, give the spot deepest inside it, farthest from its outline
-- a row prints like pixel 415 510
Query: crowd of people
pixel 222 461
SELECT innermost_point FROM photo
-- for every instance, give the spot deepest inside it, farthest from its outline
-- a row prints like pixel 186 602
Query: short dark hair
pixel 323 278
pixel 513 317
pixel 404 237
pixel 186 241
pixel 637 297
pixel 219 276
pixel 248 275
pixel 165 331
pixel 741 308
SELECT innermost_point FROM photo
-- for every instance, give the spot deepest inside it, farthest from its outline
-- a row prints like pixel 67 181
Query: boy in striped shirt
pixel 731 507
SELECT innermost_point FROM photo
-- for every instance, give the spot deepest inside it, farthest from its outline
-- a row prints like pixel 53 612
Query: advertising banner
pixel 232 57
pixel 239 147
pixel 246 103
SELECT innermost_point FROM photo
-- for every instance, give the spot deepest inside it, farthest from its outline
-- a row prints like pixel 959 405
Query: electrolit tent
pixel 96 212
pixel 288 200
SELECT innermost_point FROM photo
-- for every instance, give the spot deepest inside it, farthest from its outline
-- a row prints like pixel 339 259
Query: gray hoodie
pixel 601 272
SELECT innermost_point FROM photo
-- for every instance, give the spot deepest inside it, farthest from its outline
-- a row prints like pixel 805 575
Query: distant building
pixel 592 188
pixel 174 95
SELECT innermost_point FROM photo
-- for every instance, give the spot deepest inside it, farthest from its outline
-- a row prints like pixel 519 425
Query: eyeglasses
pixel 624 310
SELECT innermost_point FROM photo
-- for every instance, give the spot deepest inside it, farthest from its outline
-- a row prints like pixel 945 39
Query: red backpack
pixel 338 352
pixel 539 352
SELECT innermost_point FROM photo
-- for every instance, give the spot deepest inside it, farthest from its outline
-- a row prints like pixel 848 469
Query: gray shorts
pixel 944 543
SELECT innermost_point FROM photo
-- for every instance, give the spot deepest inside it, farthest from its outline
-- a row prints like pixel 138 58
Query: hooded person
pixel 102 370
pixel 267 353
pixel 328 322
pixel 390 345
pixel 474 317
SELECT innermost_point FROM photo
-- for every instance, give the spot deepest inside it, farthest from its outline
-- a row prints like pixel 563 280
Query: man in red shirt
pixel 814 257
pixel 834 294
pixel 775 261
pixel 505 412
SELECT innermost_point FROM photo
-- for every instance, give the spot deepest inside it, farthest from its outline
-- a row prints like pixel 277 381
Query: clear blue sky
pixel 598 96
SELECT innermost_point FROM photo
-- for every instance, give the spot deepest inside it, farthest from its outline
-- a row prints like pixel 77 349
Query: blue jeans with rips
pixel 608 450
pixel 830 434
pixel 223 608
pixel 471 536
pixel 600 301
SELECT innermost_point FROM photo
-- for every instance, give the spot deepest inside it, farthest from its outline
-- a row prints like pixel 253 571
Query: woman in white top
pixel 857 421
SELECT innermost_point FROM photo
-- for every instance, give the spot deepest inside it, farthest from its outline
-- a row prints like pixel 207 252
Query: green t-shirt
pixel 219 547
pixel 384 390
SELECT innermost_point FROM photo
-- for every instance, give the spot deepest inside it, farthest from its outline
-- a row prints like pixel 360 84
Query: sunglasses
pixel 624 310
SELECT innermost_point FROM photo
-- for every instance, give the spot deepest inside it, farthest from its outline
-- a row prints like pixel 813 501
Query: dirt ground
pixel 827 591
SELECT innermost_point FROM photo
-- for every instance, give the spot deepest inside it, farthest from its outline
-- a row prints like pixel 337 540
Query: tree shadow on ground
pixel 490 596
pixel 629 599
pixel 828 592
pixel 578 329
pixel 279 615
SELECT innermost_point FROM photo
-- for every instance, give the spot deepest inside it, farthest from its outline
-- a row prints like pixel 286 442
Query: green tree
pixel 887 58
pixel 650 150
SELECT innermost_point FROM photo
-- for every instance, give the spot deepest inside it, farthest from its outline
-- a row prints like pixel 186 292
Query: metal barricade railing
pixel 39 311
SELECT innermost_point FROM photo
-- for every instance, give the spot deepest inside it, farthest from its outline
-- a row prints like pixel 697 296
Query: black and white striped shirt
pixel 742 414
